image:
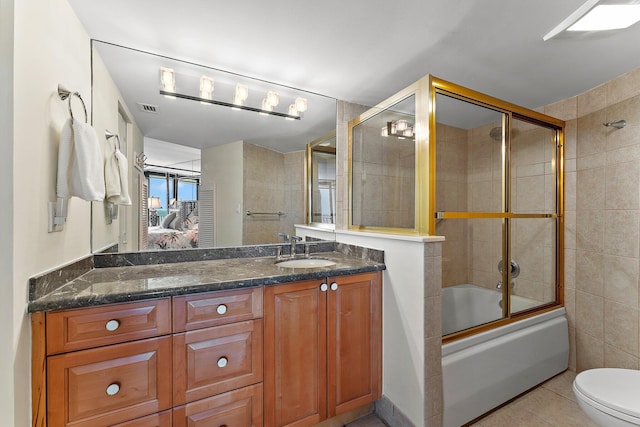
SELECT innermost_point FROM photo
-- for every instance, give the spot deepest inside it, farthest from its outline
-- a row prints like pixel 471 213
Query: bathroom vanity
pixel 225 342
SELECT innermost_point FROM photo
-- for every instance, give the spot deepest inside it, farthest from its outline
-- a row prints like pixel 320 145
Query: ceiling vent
pixel 148 108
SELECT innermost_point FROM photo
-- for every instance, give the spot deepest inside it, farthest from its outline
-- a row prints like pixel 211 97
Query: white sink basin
pixel 305 263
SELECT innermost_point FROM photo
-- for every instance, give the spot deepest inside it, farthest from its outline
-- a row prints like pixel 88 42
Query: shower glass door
pixel 497 185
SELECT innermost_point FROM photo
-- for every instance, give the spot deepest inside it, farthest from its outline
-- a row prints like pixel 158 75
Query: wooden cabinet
pixel 188 360
pixel 322 348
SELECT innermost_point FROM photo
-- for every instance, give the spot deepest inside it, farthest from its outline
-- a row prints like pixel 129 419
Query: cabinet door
pixel 214 360
pixel 295 389
pixel 109 385
pixel 353 341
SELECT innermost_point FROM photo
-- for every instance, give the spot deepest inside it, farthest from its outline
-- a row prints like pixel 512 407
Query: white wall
pixel 50 46
pixel 222 170
pixel 7 402
pixel 107 100
pixel 403 300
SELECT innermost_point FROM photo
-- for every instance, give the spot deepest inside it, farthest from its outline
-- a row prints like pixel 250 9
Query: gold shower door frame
pixel 510 112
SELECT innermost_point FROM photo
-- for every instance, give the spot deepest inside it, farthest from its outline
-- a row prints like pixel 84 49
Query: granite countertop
pixel 135 282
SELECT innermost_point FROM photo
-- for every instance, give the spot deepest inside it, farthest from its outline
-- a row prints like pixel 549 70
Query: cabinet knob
pixel 222 362
pixel 221 309
pixel 112 325
pixel 113 389
pixel 334 286
pixel 324 287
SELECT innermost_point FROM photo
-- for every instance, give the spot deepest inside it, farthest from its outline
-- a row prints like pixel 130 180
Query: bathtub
pixel 483 371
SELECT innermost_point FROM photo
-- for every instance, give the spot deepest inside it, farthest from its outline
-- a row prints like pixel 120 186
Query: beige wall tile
pixel 589 315
pixel 593 100
pixel 621 233
pixel 621 327
pixel 621 280
pixel 589 352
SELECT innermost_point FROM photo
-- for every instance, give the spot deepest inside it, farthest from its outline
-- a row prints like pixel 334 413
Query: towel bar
pixel 249 213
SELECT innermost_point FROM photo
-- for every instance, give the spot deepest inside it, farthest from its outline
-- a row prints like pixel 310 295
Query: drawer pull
pixel 324 287
pixel 221 309
pixel 112 325
pixel 113 389
pixel 334 286
pixel 222 362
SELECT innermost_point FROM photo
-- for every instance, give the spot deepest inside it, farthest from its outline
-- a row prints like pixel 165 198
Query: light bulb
pixel 402 125
pixel 167 79
pixel 242 93
pixel 301 104
pixel 272 98
pixel 206 87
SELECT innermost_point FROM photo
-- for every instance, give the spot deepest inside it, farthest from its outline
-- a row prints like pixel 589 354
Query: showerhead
pixel 496 133
pixel 618 124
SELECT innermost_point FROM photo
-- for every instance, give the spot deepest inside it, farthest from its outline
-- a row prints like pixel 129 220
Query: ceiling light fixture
pixel 593 17
pixel 293 112
pixel 608 17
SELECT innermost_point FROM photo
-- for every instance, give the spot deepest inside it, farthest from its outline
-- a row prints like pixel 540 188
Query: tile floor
pixel 552 404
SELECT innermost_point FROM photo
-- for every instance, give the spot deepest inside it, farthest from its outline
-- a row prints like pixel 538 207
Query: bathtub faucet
pixel 512 284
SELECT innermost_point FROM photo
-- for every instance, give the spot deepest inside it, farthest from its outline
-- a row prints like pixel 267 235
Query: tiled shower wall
pixel 273 182
pixel 602 256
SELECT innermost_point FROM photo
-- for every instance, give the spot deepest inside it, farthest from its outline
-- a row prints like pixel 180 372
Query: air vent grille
pixel 148 108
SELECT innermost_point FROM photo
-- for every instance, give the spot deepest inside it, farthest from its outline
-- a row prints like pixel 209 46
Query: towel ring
pixel 65 93
pixel 108 135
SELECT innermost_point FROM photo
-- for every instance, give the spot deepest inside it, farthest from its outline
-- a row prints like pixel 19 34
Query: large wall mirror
pixel 214 158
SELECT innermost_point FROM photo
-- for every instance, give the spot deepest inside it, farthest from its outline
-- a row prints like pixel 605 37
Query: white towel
pixel 80 163
pixel 116 178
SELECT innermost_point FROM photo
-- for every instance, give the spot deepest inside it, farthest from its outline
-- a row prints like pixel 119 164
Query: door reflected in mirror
pixel 232 168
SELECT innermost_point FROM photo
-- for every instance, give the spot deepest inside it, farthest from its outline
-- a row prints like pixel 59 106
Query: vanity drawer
pixel 163 419
pixel 215 360
pixel 216 308
pixel 241 407
pixel 83 328
pixel 109 385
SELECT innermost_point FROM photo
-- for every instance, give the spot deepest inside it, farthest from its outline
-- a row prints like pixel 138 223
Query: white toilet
pixel 610 397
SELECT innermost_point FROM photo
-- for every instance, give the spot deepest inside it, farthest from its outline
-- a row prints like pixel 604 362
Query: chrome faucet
pixel 294 241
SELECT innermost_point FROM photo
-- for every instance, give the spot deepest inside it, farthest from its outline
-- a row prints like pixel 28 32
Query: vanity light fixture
pixel 206 87
pixel 167 80
pixel 594 17
pixel 400 128
pixel 241 94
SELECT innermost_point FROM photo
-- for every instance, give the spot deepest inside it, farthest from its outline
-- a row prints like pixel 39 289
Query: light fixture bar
pixel 229 104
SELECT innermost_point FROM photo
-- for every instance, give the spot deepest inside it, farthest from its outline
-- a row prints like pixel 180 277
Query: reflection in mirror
pixel 383 168
pixel 321 170
pixel 224 154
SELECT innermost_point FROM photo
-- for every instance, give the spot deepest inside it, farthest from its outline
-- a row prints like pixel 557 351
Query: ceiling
pixel 363 51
